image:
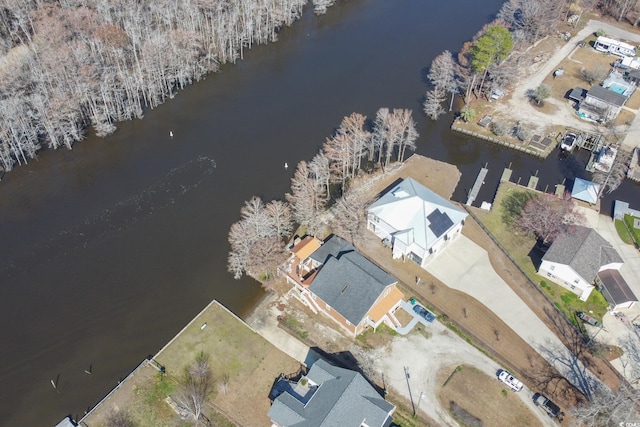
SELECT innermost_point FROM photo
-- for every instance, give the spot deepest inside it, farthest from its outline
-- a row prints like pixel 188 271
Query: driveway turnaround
pixel 465 266
pixel 410 365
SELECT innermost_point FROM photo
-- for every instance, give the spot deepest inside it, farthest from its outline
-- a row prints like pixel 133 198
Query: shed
pixel 616 290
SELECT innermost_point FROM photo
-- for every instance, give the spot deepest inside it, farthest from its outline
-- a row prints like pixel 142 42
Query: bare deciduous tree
pixel 256 240
pixel 196 385
pixel 121 418
pixel 609 407
pixel 547 216
pixel 612 179
pixel 532 19
pixel 432 106
pixel 350 213
pixel 442 74
pixel 307 198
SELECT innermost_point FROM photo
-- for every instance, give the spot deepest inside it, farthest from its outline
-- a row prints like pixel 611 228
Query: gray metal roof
pixel 584 250
pixel 578 94
pixel 347 281
pixel 615 288
pixel 606 95
pixel 342 399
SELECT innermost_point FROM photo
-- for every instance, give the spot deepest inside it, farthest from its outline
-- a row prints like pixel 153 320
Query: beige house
pixel 333 278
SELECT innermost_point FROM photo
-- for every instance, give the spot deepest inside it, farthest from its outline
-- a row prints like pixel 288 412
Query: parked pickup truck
pixel 551 408
pixel 588 319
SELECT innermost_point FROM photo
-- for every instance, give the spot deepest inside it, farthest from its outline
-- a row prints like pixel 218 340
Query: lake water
pixel 110 249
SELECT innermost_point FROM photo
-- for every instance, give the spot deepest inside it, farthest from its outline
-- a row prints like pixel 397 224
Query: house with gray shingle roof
pixel 601 104
pixel 414 221
pixel 574 260
pixel 329 396
pixel 333 278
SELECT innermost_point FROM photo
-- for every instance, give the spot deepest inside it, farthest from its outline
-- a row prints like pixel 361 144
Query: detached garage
pixel 616 290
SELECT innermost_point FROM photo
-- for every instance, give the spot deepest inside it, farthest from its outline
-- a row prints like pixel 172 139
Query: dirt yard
pixel 479 400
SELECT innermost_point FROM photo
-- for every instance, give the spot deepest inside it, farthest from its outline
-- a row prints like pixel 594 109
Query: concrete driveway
pixel 630 270
pixel 465 266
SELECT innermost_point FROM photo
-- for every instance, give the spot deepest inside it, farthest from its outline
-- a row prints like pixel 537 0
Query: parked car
pixel 513 383
pixel 424 313
pixel 569 141
pixel 550 408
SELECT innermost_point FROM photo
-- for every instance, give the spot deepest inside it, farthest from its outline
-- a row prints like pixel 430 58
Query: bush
pixel 522 132
pixel 593 76
pixel 499 128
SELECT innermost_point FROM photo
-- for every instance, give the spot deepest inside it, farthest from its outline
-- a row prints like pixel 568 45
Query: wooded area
pixel 321 196
pixel 493 59
pixel 68 64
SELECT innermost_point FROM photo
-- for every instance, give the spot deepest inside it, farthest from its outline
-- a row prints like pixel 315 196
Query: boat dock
pixel 477 185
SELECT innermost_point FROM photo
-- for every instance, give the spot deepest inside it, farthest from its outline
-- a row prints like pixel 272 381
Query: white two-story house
pixel 414 221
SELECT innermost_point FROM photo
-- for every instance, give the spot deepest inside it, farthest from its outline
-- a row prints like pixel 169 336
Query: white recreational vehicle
pixel 604 44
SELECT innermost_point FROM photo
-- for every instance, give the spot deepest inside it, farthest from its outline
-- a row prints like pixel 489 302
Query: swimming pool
pixel 618 88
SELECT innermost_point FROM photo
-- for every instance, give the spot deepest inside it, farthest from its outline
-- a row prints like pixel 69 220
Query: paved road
pixel 465 266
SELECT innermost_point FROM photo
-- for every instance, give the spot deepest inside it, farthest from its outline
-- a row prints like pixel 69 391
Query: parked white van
pixel 605 44
pixel 513 383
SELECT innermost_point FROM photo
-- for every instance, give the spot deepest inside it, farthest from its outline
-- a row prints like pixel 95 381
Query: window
pixel 572 287
pixel 548 274
pixel 387 292
pixel 576 281
pixel 553 267
pixel 348 323
pixel 328 307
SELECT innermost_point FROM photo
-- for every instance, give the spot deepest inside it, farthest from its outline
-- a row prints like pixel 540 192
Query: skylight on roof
pixel 399 192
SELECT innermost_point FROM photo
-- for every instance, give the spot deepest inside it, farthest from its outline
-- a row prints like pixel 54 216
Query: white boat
pixel 605 159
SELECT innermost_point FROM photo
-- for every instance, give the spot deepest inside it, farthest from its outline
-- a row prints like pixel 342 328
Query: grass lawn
pixel 244 367
pixel 474 398
pixel 628 219
pixel 522 249
pixel 623 232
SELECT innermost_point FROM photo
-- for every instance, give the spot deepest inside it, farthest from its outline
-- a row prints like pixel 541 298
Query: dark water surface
pixel 108 250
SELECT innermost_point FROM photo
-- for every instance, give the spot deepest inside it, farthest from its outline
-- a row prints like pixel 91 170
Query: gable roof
pixel 347 281
pixel 306 247
pixel 419 215
pixel 584 190
pixel 342 398
pixel 614 288
pixel 584 250
pixel 606 95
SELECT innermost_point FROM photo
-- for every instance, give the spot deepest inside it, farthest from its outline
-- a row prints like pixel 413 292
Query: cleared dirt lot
pixel 474 392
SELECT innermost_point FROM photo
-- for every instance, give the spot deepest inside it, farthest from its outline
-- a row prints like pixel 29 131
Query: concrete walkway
pixel 404 330
pixel 265 322
pixel 465 266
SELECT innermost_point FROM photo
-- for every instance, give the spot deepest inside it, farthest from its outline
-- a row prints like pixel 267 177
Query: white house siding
pixel 566 277
pixel 379 227
pixel 611 266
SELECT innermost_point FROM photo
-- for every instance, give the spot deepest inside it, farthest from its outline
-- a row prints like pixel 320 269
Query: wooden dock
pixel 476 186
